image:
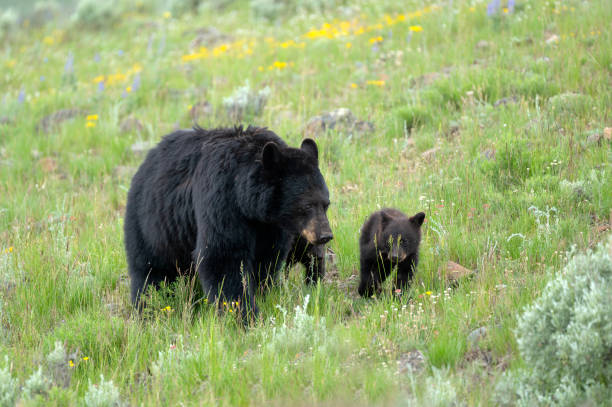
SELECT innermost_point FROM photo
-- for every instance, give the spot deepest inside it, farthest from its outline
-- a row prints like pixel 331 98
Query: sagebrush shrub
pixel 565 336
pixel 105 394
pixel 8 20
pixel 244 102
pixel 298 333
pixel 9 386
pixel 96 14
pixel 37 384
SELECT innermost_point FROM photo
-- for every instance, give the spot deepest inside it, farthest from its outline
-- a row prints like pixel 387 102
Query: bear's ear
pixel 309 146
pixel 418 219
pixel 271 156
pixel 385 219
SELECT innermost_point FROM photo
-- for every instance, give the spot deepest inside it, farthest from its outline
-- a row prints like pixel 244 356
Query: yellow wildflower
pixel 48 40
pixel 90 124
pixel 348 44
pixel 428 292
pixel 374 40
pixel 71 363
pixel 278 65
pixel 167 15
pixel 287 44
pixel 472 9
pixel 416 28
pixel 376 82
pixel 260 68
pixel 85 358
pixel 221 49
pixel 505 10
pixel 92 117
pixel 128 89
pixel 98 78
pixel 354 85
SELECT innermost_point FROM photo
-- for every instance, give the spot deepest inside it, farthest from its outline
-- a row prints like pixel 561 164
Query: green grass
pixel 490 179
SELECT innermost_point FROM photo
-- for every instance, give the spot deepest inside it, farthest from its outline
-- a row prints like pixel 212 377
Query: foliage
pixel 9 386
pixel 565 336
pixel 104 394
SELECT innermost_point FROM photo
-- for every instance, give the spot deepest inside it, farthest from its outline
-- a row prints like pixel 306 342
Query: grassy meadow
pixel 493 118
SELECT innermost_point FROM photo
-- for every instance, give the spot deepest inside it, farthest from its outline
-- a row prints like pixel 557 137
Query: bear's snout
pixel 397 255
pixel 317 231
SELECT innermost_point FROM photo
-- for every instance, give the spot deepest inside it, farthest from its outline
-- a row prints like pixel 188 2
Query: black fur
pixel 388 239
pixel 226 203
pixel 312 257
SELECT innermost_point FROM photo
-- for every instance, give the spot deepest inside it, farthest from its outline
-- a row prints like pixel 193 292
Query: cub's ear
pixel 385 219
pixel 418 219
pixel 309 146
pixel 271 156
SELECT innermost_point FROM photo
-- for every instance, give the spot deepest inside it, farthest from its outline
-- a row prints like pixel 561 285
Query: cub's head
pixel 400 237
pixel 301 198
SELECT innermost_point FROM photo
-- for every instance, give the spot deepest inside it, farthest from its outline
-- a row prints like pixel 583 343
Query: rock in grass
pixel 140 148
pixel 505 101
pixel 489 154
pixel 131 124
pixel 208 37
pixel 4 120
pixel 569 103
pixel 430 154
pixel 411 362
pixel 483 44
pixel 200 110
pixel 456 272
pixel 476 335
pixel 340 120
pixel 53 120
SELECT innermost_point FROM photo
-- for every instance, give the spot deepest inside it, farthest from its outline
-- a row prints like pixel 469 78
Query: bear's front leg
pixel 229 280
pixel 405 270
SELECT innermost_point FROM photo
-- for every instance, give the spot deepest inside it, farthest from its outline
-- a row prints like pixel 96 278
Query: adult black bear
pixel 226 203
pixel 388 238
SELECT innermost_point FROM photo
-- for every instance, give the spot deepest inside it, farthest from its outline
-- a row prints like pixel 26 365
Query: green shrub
pixel 96 14
pixel 245 103
pixel 104 394
pixel 8 20
pixel 9 387
pixel 414 116
pixel 565 337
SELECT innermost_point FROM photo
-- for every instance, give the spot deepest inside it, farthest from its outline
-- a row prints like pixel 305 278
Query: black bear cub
pixel 226 204
pixel 388 239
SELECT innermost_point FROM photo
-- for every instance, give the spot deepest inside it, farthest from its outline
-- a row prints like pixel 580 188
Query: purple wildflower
pixel 69 66
pixel 493 7
pixel 97 57
pixel 101 86
pixel 120 52
pixel 409 37
pixel 21 96
pixel 150 44
pixel 375 48
pixel 162 45
pixel 42 78
pixel 511 6
pixel 136 82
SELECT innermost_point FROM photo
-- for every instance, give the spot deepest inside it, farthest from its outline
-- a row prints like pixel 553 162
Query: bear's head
pixel 301 197
pixel 400 237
